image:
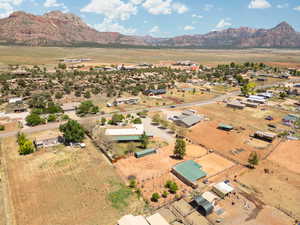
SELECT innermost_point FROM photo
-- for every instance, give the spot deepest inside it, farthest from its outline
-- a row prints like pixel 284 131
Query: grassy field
pixel 50 55
pixel 64 185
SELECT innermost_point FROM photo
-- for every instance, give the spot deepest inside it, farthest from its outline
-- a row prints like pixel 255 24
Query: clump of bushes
pixel 26 146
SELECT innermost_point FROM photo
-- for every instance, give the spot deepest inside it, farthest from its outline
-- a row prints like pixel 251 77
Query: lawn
pixel 124 148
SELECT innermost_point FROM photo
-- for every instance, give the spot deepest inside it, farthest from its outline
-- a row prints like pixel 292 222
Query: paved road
pixel 197 103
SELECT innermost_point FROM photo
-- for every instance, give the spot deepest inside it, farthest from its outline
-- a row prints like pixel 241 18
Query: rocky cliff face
pixel 57 28
pixel 54 28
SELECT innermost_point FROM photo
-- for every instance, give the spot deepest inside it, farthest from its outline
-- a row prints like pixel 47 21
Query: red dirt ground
pixel 287 154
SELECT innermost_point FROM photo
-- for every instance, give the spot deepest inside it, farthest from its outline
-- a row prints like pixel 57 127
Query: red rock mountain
pixel 60 29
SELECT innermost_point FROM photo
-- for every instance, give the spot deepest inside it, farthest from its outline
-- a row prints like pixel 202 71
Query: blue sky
pixel 166 18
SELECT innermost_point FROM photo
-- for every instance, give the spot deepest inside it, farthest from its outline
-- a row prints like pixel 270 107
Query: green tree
pixel 173 188
pixel 103 121
pixel 34 120
pixel 144 140
pixel 248 88
pixel 62 66
pixel 283 95
pixel 2 127
pixel 72 131
pixel 87 94
pixel 58 95
pixel 52 118
pixel 132 183
pixel 26 148
pixel 87 107
pixel 117 118
pixel 165 194
pixel 156 118
pixel 137 121
pixel 21 138
pixel 155 197
pixel 180 148
pixel 253 159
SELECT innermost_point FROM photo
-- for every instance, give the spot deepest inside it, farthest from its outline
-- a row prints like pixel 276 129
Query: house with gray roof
pixel 188 120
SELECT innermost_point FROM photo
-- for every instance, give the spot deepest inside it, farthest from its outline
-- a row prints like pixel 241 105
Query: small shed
pixel 188 121
pixel 235 105
pixel 225 127
pixel 15 100
pixel 145 153
pixel 126 138
pixel 265 136
pixel 203 206
pixel 251 104
pixel 222 189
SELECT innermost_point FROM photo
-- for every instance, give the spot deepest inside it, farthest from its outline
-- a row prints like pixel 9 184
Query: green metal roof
pixel 126 138
pixel 190 170
pixel 225 126
pixel 145 152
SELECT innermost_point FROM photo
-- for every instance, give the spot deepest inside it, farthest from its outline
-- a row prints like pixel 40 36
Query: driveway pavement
pixel 157 132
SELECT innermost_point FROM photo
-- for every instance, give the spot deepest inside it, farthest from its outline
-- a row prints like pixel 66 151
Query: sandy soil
pixel 213 164
pixel 287 154
pixel 278 188
pixel 60 185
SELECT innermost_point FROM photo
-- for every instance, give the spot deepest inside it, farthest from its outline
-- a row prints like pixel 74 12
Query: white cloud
pixel 297 8
pixel 52 3
pixel 157 7
pixel 154 29
pixel 136 2
pixel 197 16
pixel 164 7
pixel 112 9
pixel 188 27
pixel 7 6
pixel 179 8
pixel 259 4
pixel 109 26
pixel 282 6
pixel 223 23
pixel 208 7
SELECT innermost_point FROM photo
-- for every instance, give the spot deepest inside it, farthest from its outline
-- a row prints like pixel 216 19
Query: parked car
pixel 269 118
pixel 77 145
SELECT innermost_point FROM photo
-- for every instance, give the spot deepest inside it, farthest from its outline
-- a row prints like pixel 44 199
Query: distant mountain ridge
pixel 65 29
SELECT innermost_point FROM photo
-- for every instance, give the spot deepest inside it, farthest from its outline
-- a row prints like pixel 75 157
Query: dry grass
pixel 64 185
pixel 50 55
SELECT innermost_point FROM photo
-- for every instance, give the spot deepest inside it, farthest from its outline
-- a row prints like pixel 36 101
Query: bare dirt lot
pixel 213 164
pixel 278 187
pixel 153 171
pixel 287 154
pixel 236 144
pixel 64 185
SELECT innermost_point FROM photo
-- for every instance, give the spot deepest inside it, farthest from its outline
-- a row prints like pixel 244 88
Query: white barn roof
pixel 138 129
pixel 223 187
pixel 209 196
